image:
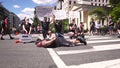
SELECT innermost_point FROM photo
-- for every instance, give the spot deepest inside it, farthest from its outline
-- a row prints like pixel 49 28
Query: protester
pixel 59 41
pixel 58 28
pixel 6 28
pixel 111 25
pixel 45 27
pixel 27 28
pixel 92 26
pixel 81 27
pixel 98 27
pixel 72 28
pixel 38 28
pixel 118 27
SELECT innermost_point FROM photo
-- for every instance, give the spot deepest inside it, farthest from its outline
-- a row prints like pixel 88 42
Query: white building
pixel 79 9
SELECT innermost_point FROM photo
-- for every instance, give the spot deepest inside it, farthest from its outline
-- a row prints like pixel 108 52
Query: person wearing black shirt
pixel 6 28
pixel 72 28
pixel 27 27
pixel 92 26
pixel 45 27
pixel 58 28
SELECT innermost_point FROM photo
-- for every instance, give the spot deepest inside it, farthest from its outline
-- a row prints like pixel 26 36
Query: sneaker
pixel 85 43
pixel 2 38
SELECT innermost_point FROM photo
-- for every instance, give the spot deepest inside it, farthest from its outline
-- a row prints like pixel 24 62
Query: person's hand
pixel 26 32
pixel 29 33
pixel 54 38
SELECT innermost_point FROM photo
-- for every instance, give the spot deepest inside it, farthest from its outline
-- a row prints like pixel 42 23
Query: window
pixel 69 2
pixel 102 0
pixel 74 2
pixel 106 1
pixel 95 4
pixel 99 4
pixel 91 3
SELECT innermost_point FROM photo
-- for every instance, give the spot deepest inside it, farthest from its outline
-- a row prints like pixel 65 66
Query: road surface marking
pixel 95 48
pixel 103 64
pixel 102 41
pixel 58 61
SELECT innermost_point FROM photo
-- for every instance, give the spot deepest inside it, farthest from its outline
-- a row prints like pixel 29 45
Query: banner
pixel 44 11
pixel 60 14
pixel 74 14
pixel 25 38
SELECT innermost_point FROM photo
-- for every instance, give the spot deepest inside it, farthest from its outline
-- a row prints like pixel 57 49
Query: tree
pixel 116 12
pixel 98 12
pixel 114 3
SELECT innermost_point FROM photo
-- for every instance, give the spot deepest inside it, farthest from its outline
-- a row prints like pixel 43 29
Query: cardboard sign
pixel 74 14
pixel 25 38
pixel 60 14
pixel 44 11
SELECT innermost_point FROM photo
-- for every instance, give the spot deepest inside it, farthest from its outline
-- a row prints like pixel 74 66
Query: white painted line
pixel 56 59
pixel 98 38
pixel 103 64
pixel 101 41
pixel 95 48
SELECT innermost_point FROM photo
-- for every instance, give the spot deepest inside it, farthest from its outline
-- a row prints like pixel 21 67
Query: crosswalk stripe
pixel 103 64
pixel 101 41
pixel 95 48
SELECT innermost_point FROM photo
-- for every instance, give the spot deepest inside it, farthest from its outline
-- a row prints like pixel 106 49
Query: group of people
pixel 95 28
pixel 58 39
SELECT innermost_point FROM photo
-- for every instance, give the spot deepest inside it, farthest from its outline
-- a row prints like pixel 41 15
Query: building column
pixel 82 16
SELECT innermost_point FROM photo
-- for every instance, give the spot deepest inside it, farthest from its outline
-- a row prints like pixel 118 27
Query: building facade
pixel 13 18
pixel 79 9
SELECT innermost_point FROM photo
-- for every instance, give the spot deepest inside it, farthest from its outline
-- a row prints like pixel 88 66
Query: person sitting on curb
pixel 58 42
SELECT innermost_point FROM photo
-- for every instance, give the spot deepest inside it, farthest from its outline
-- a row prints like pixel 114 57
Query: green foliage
pixel 65 25
pixel 114 3
pixel 115 13
pixel 98 12
pixel 36 21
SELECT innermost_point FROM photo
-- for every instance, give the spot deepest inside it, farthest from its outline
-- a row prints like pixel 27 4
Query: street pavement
pixel 101 52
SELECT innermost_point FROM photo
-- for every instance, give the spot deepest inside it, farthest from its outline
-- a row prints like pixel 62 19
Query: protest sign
pixel 25 38
pixel 44 11
pixel 74 14
pixel 60 14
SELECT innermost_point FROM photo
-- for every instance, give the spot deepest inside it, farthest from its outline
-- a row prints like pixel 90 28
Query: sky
pixel 25 8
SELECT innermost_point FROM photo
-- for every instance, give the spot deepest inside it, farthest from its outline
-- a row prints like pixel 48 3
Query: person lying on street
pixel 58 42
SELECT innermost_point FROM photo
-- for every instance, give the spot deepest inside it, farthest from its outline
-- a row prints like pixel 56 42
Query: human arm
pixel 30 30
pixel 23 26
pixel 48 43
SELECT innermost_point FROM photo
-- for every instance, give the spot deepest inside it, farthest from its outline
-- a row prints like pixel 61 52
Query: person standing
pixel 27 27
pixel 98 27
pixel 92 26
pixel 6 28
pixel 111 25
pixel 45 27
pixel 58 28
pixel 118 27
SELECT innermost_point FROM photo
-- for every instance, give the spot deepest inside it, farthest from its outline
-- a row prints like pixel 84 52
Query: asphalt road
pixel 101 52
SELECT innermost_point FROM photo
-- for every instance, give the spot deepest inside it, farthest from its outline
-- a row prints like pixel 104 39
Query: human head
pixel 37 41
pixel 45 19
pixel 73 20
pixel 27 20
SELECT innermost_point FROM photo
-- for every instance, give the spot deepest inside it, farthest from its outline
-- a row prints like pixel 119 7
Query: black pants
pixel 45 32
